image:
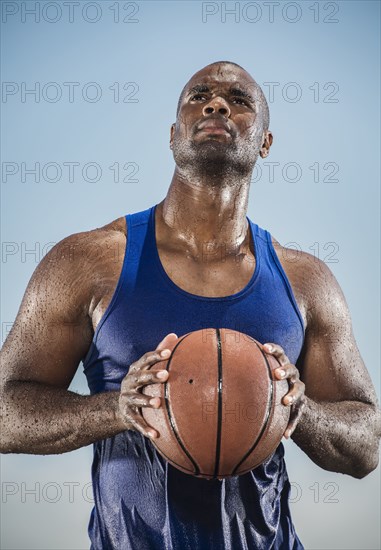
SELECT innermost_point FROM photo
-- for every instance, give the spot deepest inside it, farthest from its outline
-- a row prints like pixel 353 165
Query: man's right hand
pixel 131 397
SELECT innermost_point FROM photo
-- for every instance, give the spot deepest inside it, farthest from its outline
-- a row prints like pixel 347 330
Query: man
pixel 193 261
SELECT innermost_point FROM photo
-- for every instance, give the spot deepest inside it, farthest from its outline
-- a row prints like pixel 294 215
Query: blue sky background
pixel 318 64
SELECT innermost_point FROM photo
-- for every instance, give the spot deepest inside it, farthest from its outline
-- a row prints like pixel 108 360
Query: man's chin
pixel 216 159
pixel 213 148
pixel 212 157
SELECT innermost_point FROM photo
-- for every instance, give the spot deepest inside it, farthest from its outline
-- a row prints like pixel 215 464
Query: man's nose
pixel 217 105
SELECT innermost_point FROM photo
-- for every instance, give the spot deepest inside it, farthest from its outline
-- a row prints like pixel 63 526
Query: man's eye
pixel 197 97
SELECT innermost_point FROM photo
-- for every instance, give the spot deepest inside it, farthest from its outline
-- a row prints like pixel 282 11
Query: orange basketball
pixel 221 412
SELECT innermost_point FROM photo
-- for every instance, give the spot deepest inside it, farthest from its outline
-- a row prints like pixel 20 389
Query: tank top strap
pixel 137 237
pixel 270 263
pixel 137 226
pixel 261 239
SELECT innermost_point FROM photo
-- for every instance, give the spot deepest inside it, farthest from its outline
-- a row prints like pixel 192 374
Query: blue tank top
pixel 140 501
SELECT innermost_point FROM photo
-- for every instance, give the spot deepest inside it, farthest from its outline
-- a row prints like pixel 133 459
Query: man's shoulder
pixel 298 260
pixel 84 252
pixel 82 244
pixel 110 229
pixel 313 283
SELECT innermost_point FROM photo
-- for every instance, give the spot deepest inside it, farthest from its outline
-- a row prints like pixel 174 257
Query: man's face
pixel 218 126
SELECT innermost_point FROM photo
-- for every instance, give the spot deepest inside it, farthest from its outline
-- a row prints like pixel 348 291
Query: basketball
pixel 221 413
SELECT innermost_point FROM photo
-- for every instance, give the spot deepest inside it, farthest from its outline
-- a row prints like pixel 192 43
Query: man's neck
pixel 197 214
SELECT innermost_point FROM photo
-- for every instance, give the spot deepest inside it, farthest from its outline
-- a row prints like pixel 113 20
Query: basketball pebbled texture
pixel 221 412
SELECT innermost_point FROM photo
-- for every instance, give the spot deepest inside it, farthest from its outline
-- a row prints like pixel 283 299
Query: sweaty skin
pixel 218 135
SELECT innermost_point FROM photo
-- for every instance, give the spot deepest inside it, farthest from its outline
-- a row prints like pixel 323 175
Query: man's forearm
pixel 340 437
pixel 39 419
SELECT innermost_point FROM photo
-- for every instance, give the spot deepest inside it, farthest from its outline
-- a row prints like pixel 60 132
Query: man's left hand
pixel 295 398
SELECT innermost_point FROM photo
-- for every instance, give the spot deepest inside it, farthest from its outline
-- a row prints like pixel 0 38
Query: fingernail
pixel 165 353
pixel 268 347
pixel 152 401
pixel 162 374
pixel 282 373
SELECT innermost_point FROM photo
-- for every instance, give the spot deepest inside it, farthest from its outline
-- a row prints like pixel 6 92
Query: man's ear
pixel 267 142
pixel 171 135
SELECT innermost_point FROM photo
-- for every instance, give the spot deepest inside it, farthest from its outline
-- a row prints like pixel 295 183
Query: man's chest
pixel 211 275
pixel 208 277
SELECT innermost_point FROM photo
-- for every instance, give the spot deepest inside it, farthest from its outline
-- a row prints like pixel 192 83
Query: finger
pixel 145 377
pixel 290 430
pixel 140 400
pixel 133 383
pixel 140 425
pixel 149 359
pixel 295 394
pixel 277 351
pixel 168 340
pixel 288 371
pixel 294 421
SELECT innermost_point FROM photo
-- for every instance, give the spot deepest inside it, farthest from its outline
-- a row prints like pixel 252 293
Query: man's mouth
pixel 214 126
pixel 214 130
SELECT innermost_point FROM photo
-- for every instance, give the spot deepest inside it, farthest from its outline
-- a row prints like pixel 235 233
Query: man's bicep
pixel 330 363
pixel 52 332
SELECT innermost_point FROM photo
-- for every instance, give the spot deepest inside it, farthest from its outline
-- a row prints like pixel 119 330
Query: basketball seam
pixel 219 404
pixel 267 417
pixel 170 416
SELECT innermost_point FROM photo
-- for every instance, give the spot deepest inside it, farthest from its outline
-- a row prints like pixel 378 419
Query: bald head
pixel 254 90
